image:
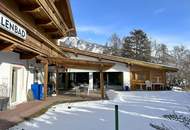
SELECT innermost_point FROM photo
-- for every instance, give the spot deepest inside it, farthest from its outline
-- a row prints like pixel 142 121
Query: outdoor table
pixel 141 85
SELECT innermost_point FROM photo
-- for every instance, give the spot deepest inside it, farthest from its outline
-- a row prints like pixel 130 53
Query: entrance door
pixel 14 84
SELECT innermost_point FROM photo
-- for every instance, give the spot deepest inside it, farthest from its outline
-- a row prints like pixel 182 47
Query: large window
pixel 82 78
pixel 110 78
pixel 115 78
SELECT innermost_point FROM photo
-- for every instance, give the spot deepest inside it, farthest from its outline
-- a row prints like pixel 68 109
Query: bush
pixel 183 119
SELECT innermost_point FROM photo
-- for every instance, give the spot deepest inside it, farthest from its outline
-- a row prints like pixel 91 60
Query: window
pixel 140 76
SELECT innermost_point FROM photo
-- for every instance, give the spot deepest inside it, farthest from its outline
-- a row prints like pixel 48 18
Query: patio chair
pixel 148 85
pixel 76 88
pixel 90 89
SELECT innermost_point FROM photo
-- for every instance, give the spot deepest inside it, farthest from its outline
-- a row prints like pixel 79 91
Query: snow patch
pixel 135 107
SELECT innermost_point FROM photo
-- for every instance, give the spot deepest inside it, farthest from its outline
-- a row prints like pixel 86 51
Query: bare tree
pixel 181 56
pixel 161 54
pixel 114 45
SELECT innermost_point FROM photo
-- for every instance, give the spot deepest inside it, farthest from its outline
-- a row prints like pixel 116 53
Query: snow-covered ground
pixel 136 111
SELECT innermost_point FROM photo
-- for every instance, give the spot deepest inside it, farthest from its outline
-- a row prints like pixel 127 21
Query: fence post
pixel 116 118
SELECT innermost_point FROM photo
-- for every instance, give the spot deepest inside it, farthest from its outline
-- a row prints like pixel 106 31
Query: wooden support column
pixel 45 79
pixel 102 82
pixel 107 79
pixel 150 78
pixel 164 78
pixel 150 75
pixel 66 79
pixel 57 79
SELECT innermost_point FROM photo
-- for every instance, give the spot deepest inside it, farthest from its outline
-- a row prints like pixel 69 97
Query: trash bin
pixel 4 103
pixel 126 88
pixel 37 90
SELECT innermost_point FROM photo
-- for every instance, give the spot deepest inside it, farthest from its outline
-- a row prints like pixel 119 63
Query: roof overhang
pixel 54 16
pixel 25 53
pixel 121 60
pixel 80 64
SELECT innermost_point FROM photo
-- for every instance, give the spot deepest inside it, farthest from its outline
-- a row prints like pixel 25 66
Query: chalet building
pixel 29 53
pixel 28 46
pixel 121 73
pixel 29 30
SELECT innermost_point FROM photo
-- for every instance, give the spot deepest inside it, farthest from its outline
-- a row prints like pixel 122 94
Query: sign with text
pixel 12 27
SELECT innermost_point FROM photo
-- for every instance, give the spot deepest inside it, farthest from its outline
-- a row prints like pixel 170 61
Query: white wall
pixel 81 70
pixel 126 79
pixel 25 75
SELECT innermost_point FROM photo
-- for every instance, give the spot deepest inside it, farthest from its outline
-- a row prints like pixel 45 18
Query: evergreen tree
pixel 137 46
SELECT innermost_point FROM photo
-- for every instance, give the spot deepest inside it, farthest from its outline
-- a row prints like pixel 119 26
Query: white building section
pixel 16 77
pixel 120 73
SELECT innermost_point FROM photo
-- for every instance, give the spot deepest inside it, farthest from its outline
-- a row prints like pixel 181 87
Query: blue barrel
pixel 35 91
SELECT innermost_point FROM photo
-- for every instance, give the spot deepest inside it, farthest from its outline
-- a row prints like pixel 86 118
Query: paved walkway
pixel 30 109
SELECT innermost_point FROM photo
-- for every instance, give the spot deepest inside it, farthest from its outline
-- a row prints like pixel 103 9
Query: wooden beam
pixel 7 47
pixel 27 56
pixel 57 11
pixel 50 30
pixel 79 63
pixel 49 8
pixel 30 10
pixel 55 33
pixel 45 80
pixel 42 59
pixel 102 83
pixel 43 22
pixel 56 36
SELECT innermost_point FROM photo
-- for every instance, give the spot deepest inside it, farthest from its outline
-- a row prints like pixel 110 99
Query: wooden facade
pixel 139 75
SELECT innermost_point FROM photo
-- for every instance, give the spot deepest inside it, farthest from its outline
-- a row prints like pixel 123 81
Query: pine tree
pixel 137 46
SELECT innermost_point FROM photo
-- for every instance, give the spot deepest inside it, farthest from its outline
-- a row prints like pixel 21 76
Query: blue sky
pixel 167 21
